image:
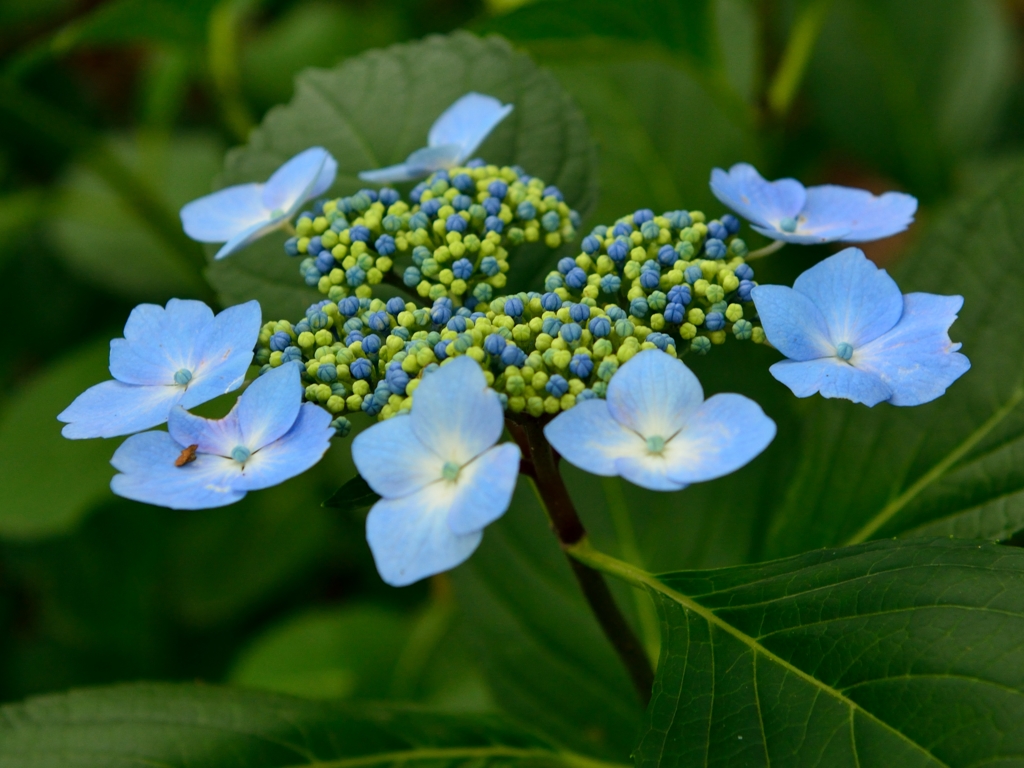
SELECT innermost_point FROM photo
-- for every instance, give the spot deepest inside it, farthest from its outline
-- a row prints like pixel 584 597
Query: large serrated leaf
pixel 889 653
pixel 376 108
pixel 192 726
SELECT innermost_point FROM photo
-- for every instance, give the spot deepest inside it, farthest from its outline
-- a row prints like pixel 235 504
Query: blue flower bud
pixel 490 267
pixel 650 230
pixel 642 216
pixel 576 279
pixel 371 344
pixel 343 426
pixel 581 366
pixel 371 407
pixel 494 224
pixel 353 337
pixel 638 307
pixel 746 286
pixel 327 373
pixel 525 210
pixel 396 378
pixel 615 313
pixel 301 327
pixel 498 189
pixel 554 192
pixel 431 207
pixel 457 324
pixel 570 332
pixel 649 280
pixel 359 233
pixel 291 354
pixel 461 203
pixel 622 229
pixel 392 223
pixel 715 249
pixel 557 385
pixel 715 321
pixel 551 326
pixel 379 321
pixel 455 223
pixel 360 368
pixel 674 313
pixel 693 273
pixel 618 250
pixel 324 262
pixel 462 269
pixel 550 302
pixel 600 230
pixel 382 393
pixel 279 341
pixel 679 294
pixel 394 305
pixel 717 230
pixel 340 223
pixel 353 324
pixel 291 246
pixel 315 246
pixel 355 277
pixel 679 219
pixel 317 320
pixel 553 281
pixel 494 344
pixel 441 350
pixel 412 276
pixel 492 205
pixel 419 220
pixel 550 221
pixel 440 315
pixel 667 255
pixel 586 394
pixel 731 223
pixel 611 283
pixel 370 194
pixel 565 264
pixel 600 327
pixel 590 244
pixel 744 272
pixel 660 340
pixel 482 291
pixel 385 245
pixel 701 345
pixel 514 307
pixel 388 196
pixel 464 183
pixel 579 312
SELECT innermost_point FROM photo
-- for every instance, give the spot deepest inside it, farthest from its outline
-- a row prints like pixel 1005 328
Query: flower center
pixel 450 470
pixel 183 377
pixel 240 454
pixel 844 351
pixel 656 444
pixel 788 224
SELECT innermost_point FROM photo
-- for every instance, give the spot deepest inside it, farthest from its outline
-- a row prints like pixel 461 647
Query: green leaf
pixel 376 108
pixel 203 727
pixel 104 241
pixel 889 653
pixel 950 466
pixel 48 481
pixel 354 495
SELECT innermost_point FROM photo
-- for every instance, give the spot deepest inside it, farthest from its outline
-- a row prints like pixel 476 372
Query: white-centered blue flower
pixel 656 430
pixel 786 210
pixel 181 354
pixel 442 477
pixel 452 140
pixel 268 437
pixel 242 214
pixel 848 332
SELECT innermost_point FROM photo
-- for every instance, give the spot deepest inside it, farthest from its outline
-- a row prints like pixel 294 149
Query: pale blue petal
pixel 917 359
pixel 589 438
pixel 222 215
pixel 393 174
pixel 420 163
pixel 165 338
pixel 762 202
pixel 150 476
pixel 831 377
pixel 863 215
pixel 727 432
pixel 294 182
pixel 112 408
pixel 216 436
pixel 647 471
pixel 410 537
pixel 298 450
pixel 800 237
pixel 325 179
pixel 488 481
pixel 455 414
pixel 792 323
pixel 654 394
pixel 222 353
pixel 467 122
pixel 135 364
pixel 392 460
pixel 858 300
pixel 250 235
pixel 269 406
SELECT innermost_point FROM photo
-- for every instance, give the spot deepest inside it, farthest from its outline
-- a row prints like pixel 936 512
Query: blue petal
pixel 420 163
pixel 589 438
pixel 831 377
pixel 654 394
pixel 290 455
pixel 467 123
pixel 222 215
pixel 270 405
pixel 488 481
pixel 917 359
pixel 727 432
pixel 863 215
pixel 858 300
pixel 792 323
pixel 216 436
pixel 392 459
pixel 159 341
pixel 393 174
pixel 298 180
pixel 455 414
pixel 222 353
pixel 647 471
pixel 112 408
pixel 150 476
pixel 250 235
pixel 800 237
pixel 762 202
pixel 410 537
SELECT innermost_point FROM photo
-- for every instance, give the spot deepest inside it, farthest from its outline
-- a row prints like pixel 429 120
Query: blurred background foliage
pixel 113 114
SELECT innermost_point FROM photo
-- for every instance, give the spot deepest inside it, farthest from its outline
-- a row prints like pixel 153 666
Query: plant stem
pixel 768 250
pixel 795 57
pixel 540 463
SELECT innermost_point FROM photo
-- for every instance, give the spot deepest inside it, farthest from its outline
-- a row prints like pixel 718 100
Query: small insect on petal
pixel 187 456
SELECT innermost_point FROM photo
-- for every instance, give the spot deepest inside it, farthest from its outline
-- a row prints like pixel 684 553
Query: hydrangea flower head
pixel 848 332
pixel 242 214
pixel 786 210
pixel 453 138
pixel 180 354
pixel 269 436
pixel 656 430
pixel 441 476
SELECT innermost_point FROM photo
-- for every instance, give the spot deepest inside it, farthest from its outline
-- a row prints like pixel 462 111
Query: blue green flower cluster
pixel 452 242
